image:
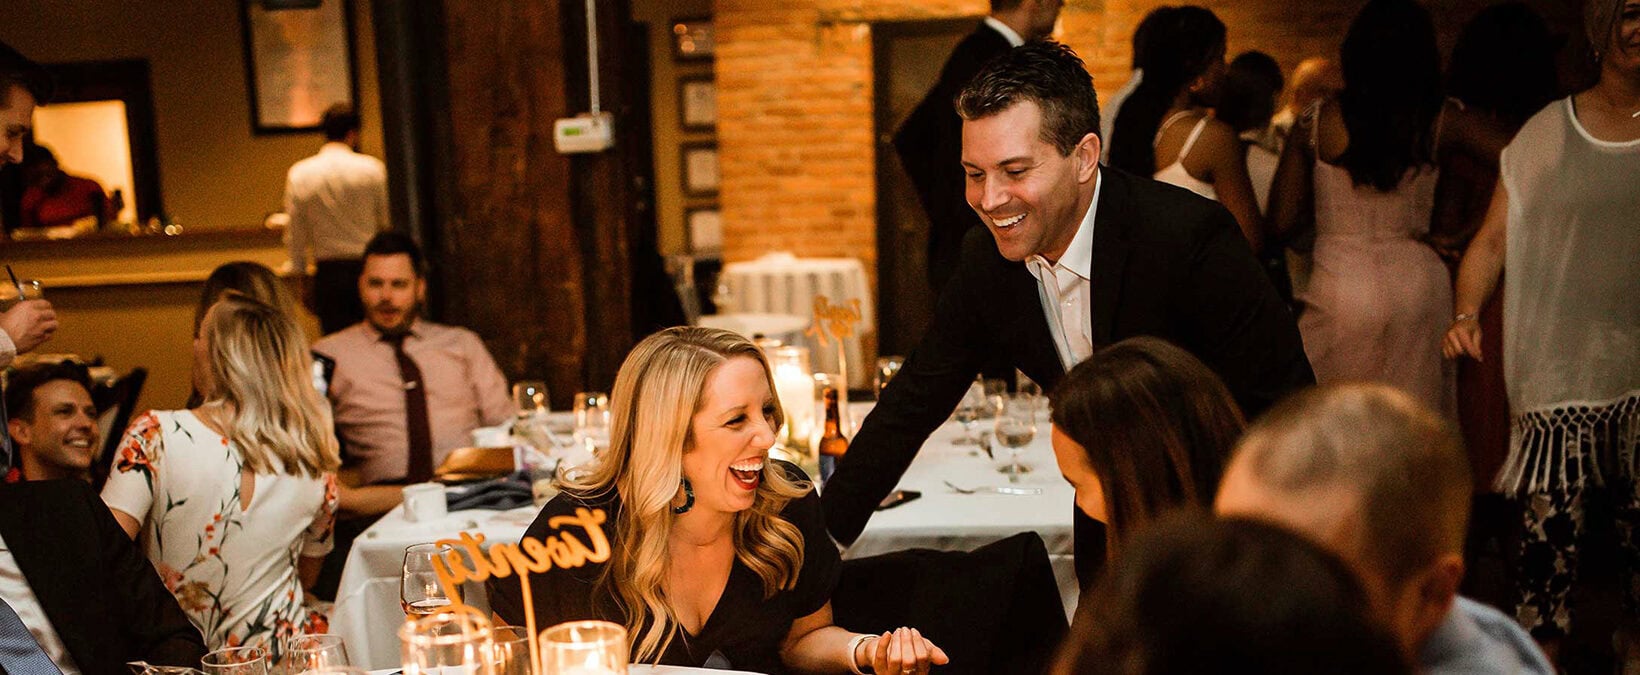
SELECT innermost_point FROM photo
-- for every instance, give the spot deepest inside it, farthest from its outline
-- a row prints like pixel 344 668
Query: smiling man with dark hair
pixel 53 421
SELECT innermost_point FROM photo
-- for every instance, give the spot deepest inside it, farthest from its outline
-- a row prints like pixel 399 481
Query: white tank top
pixel 1175 173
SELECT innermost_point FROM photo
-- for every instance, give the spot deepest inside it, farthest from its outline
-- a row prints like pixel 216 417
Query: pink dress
pixel 1378 300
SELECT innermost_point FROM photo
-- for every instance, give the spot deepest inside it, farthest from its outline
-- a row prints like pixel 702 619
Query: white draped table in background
pixel 367 612
pixel 780 283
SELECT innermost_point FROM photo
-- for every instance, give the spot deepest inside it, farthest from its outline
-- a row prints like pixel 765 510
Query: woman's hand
pixel 1463 338
pixel 902 652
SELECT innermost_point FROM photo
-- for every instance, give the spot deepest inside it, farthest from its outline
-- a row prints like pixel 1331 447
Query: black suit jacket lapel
pixel 33 526
pixel 1110 254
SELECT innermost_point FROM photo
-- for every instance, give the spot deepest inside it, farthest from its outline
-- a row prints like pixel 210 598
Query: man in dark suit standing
pixel 76 594
pixel 1078 256
pixel 929 140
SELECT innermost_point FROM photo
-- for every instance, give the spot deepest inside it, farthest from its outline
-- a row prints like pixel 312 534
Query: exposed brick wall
pixel 795 96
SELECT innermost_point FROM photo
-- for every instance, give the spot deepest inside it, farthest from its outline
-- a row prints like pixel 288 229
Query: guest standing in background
pixel 236 498
pixel 1360 170
pixel 1248 103
pixel 929 141
pixel 1144 51
pixel 1565 222
pixel 1140 428
pixel 1169 112
pixel 336 200
pixel 1314 79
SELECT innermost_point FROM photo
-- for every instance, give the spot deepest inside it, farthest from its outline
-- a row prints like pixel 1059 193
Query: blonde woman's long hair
pixel 657 392
pixel 262 389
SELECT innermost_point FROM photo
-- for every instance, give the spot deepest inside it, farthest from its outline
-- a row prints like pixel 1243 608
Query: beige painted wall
pixel 213 171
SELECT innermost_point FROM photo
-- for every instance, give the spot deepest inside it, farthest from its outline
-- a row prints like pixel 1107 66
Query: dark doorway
pixel 908 57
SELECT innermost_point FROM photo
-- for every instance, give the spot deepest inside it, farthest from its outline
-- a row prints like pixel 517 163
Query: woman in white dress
pixel 235 499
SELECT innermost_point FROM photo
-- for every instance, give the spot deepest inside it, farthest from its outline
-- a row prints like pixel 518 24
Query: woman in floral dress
pixel 235 499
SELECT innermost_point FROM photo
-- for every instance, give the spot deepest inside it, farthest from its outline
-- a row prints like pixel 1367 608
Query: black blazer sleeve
pixel 157 629
pixel 919 398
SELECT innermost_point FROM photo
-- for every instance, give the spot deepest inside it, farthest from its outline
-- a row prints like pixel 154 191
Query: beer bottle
pixel 833 444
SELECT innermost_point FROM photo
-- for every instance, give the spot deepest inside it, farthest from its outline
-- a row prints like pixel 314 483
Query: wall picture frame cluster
pixel 694 44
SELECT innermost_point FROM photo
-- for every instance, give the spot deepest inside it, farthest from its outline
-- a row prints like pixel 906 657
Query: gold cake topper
pixel 835 323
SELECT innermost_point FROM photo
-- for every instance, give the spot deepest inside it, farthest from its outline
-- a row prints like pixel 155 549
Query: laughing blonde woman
pixel 719 554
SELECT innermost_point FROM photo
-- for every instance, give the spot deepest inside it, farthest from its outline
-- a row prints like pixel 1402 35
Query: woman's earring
pixel 688 498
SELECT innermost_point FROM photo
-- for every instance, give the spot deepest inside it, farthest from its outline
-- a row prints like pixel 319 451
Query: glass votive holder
pixel 450 643
pixel 236 661
pixel 583 648
pixel 512 650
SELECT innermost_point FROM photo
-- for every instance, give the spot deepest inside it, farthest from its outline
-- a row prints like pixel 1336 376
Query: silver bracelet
pixel 853 648
pixel 1465 317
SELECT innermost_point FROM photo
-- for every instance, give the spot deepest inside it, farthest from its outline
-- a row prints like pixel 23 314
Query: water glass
pixel 314 652
pixel 9 297
pixel 969 410
pixel 1015 427
pixel 512 650
pixel 420 592
pixel 887 368
pixel 584 648
pixel 592 420
pixel 995 389
pixel 530 397
pixel 236 661
pixel 455 643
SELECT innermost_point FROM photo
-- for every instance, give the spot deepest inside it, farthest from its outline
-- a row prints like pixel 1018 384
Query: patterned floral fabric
pixel 231 566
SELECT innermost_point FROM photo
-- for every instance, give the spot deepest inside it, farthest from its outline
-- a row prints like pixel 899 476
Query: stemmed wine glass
pixel 592 421
pixel 968 412
pixel 315 652
pixel 420 592
pixel 1015 427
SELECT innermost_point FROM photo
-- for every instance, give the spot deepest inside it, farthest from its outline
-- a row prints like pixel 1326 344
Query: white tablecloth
pixel 782 284
pixel 367 612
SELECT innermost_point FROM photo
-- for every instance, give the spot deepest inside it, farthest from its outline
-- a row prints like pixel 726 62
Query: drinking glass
pixel 512 650
pixel 1015 427
pixel 9 297
pixel 530 397
pixel 887 368
pixel 236 661
pixel 968 412
pixel 995 389
pixel 584 648
pixel 419 590
pixel 313 652
pixel 592 420
pixel 454 643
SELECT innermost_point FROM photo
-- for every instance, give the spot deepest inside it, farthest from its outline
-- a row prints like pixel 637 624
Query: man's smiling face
pixel 1030 196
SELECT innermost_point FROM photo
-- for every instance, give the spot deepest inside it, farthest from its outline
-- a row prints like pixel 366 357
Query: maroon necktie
pixel 415 413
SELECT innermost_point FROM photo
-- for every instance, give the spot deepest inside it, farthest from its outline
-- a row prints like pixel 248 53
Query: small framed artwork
pixel 705 228
pixel 693 39
pixel 700 169
pixel 697 103
pixel 298 61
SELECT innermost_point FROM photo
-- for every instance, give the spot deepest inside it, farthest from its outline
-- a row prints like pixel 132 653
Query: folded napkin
pixel 496 494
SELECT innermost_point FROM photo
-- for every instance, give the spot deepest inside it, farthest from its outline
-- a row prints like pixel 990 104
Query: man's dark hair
pixel 18 70
pixel 1004 5
pixel 339 120
pixel 22 383
pixel 1144 47
pixel 1046 73
pixel 394 243
pixel 1251 86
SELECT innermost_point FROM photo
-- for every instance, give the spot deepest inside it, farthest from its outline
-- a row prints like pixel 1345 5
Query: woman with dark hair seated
pixel 1139 428
pixel 719 555
pixel 1196 595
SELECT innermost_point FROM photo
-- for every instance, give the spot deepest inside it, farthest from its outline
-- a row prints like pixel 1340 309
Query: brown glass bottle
pixel 833 444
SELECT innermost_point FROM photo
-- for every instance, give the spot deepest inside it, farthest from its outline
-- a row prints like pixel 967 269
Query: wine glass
pixel 236 661
pixel 968 412
pixel 995 389
pixel 530 398
pixel 592 420
pixel 452 642
pixel 315 652
pixel 1015 426
pixel 420 592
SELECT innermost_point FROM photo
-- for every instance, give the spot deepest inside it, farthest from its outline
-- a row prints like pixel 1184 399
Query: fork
pixel 997 490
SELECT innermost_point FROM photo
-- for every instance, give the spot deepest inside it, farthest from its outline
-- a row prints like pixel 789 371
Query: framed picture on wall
pixel 693 39
pixel 697 103
pixel 704 226
pixel 298 61
pixel 700 169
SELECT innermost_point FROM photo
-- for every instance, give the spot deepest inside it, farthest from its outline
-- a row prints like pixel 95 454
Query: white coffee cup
pixel 424 502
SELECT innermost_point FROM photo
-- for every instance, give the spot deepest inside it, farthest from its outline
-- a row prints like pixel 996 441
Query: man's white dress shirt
pixel 1009 34
pixel 337 201
pixel 1065 289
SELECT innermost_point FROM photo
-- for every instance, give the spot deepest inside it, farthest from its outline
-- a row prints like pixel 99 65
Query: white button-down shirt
pixel 337 201
pixel 15 590
pixel 1065 289
pixel 1008 34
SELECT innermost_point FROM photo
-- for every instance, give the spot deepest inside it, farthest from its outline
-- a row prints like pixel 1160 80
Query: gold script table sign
pixel 835 324
pixel 579 539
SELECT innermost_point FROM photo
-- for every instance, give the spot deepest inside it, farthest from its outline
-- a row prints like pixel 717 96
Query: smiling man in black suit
pixel 1074 257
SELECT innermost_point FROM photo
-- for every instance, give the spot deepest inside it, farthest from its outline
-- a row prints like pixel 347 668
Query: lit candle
pixel 794 384
pixel 584 648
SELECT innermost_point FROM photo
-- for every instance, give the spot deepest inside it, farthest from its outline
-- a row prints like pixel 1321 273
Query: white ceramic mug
pixel 424 502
